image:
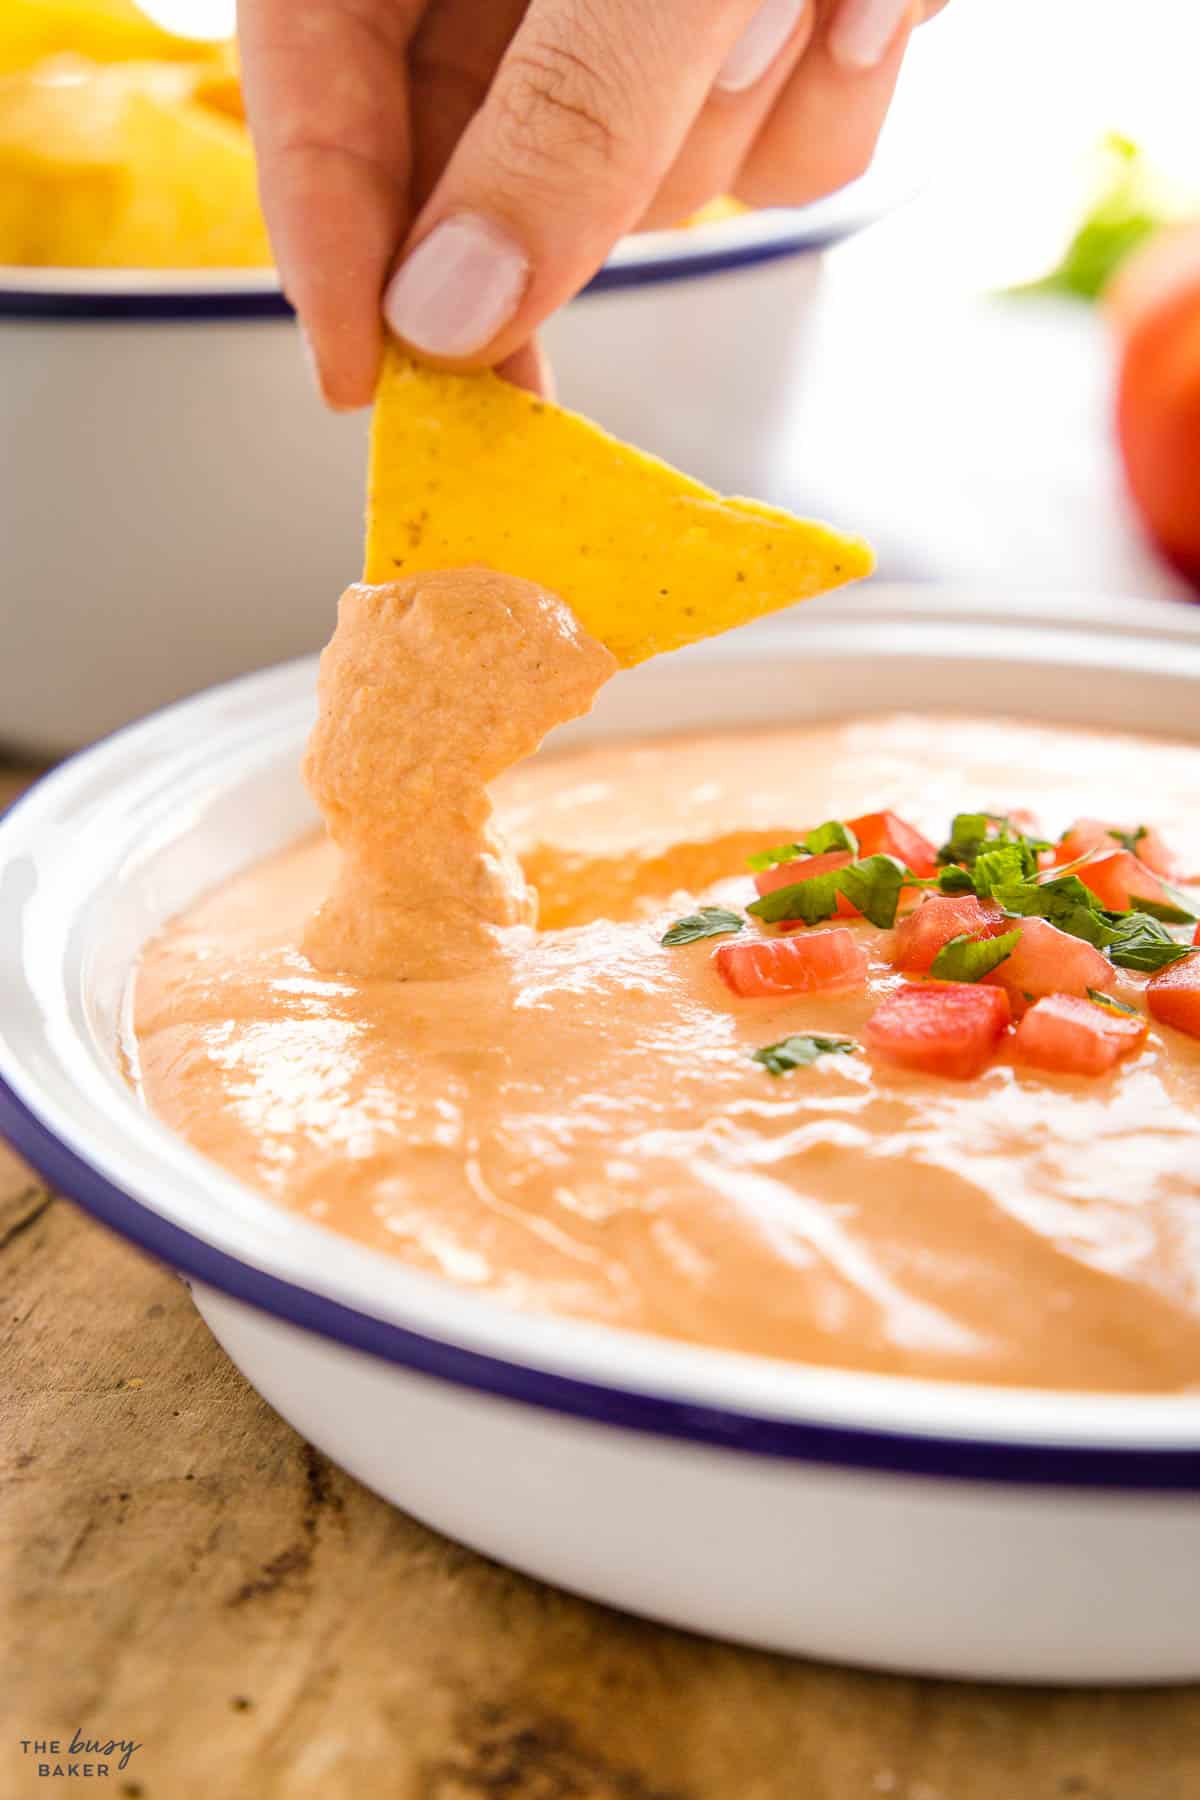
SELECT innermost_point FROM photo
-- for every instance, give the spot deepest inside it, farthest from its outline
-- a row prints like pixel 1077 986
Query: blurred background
pixel 933 357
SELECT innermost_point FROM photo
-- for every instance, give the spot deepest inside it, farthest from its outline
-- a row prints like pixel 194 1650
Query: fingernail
pixel 458 288
pixel 864 30
pixel 759 45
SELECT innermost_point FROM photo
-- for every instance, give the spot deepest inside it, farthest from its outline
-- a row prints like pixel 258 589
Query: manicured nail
pixel 759 45
pixel 863 31
pixel 458 288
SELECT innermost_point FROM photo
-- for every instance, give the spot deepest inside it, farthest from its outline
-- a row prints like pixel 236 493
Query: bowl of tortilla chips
pixel 164 452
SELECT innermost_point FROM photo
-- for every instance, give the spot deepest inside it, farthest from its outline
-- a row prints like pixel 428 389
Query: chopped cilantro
pixel 800 1050
pixel 833 835
pixel 1140 942
pixel 873 886
pixel 1129 840
pixel 970 959
pixel 710 921
pixel 1168 911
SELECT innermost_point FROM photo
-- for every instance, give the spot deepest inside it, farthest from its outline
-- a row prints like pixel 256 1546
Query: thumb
pixel 586 113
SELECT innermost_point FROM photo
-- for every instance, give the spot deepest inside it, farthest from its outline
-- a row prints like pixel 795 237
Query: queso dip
pixel 370 1029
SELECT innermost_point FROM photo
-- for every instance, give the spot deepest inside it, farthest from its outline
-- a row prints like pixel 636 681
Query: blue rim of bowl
pixel 661 257
pixel 958 1459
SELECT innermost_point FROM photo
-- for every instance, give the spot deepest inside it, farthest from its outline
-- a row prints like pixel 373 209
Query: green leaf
pixel 1166 910
pixel 833 835
pixel 1129 205
pixel 996 868
pixel 953 880
pixel 1065 902
pixel 811 900
pixel 1142 943
pixel 1129 840
pixel 970 959
pixel 874 885
pixel 968 834
pixel 710 921
pixel 800 1050
pixel 1112 1003
pixel 767 859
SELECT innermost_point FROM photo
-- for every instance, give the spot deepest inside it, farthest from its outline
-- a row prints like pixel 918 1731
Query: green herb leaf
pixel 767 859
pixel 1065 902
pixel 710 921
pixel 969 832
pixel 953 880
pixel 874 885
pixel 833 835
pixel 970 959
pixel 800 1050
pixel 1112 1003
pixel 1167 911
pixel 1140 942
pixel 811 900
pixel 1130 203
pixel 1000 867
pixel 1129 840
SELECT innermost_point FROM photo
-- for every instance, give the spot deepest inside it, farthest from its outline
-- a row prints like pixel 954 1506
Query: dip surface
pixel 576 1125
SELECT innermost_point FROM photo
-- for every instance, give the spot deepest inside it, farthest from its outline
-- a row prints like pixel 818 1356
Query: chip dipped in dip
pixel 907 1095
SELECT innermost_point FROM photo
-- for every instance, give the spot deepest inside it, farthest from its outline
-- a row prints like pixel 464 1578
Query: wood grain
pixel 177 1567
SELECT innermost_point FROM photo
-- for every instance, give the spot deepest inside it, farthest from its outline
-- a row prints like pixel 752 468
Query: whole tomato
pixel 1154 303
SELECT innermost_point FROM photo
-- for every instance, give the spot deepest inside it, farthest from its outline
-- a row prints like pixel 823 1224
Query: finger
pixel 863 32
pixel 825 125
pixel 529 367
pixel 454 55
pixel 747 86
pixel 326 97
pixel 587 112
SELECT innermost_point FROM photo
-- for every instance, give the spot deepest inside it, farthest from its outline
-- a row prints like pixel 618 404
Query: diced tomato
pixel 942 1027
pixel 1087 835
pixel 884 834
pixel 803 869
pixel 1196 933
pixel 1119 881
pixel 920 936
pixel 1173 995
pixel 1047 961
pixel 1077 1037
pixel 793 965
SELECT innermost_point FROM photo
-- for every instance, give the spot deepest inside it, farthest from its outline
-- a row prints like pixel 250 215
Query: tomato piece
pixel 804 868
pixel 1196 933
pixel 793 965
pixel 941 1027
pixel 1173 995
pixel 1087 835
pixel 1119 881
pixel 1077 1037
pixel 1158 390
pixel 885 834
pixel 940 917
pixel 1048 961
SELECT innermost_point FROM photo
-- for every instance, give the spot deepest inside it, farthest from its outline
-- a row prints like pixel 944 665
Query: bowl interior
pixel 122 837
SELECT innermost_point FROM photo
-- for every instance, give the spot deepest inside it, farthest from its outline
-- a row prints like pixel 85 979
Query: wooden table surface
pixel 179 1569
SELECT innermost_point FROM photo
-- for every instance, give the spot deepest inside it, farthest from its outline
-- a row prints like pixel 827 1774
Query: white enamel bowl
pixel 176 507
pixel 958 1530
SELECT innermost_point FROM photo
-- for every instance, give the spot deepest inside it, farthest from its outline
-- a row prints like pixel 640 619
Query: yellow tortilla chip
pixel 120 166
pixel 105 30
pixel 469 469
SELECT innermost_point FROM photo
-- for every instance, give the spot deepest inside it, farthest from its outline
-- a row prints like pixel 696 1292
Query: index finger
pixel 327 100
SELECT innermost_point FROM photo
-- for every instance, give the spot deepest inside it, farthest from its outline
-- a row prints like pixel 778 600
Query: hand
pixel 471 163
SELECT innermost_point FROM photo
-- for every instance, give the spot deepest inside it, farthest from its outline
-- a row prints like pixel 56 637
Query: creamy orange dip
pixel 570 1118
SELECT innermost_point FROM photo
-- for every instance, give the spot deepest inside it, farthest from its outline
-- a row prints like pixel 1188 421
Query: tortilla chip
pixel 119 165
pixel 469 469
pixel 105 30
